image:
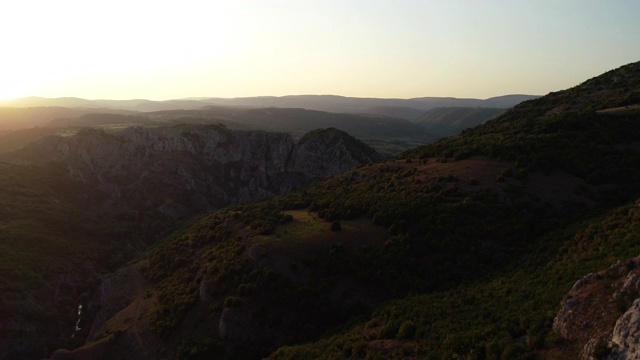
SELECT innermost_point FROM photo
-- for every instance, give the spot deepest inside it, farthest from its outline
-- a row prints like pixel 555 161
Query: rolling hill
pixel 13 118
pixel 329 103
pixel 475 246
pixel 382 123
pixel 402 112
pixel 451 121
pixel 463 248
pixel 343 104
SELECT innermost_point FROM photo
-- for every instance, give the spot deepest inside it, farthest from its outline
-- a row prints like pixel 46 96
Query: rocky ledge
pixel 590 314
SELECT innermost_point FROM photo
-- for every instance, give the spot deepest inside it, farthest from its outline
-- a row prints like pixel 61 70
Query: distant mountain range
pixel 403 108
pixel 389 125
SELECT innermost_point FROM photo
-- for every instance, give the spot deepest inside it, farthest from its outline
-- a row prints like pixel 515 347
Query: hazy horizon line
pixel 197 98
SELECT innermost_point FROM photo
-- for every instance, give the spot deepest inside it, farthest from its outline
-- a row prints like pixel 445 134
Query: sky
pixel 131 49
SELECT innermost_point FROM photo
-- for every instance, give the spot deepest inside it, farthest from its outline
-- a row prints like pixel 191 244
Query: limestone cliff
pixel 180 170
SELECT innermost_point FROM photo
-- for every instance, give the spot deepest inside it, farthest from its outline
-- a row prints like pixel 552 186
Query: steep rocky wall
pixel 329 151
pixel 179 170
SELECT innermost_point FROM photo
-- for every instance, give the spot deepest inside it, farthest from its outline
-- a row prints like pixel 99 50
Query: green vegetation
pixel 406 258
pixel 52 247
pixel 459 237
pixel 506 309
pixel 466 268
pixel 393 147
pixel 452 120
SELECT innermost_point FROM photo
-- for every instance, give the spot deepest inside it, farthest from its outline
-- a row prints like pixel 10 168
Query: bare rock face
pixel 179 170
pixel 625 341
pixel 568 319
pixel 329 152
pixel 589 310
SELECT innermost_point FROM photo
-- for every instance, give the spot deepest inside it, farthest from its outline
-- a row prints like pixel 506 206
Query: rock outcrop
pixel 591 308
pixel 180 170
pixel 625 340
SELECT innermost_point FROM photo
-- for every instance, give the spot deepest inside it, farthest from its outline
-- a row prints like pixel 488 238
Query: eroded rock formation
pixel 593 305
pixel 180 170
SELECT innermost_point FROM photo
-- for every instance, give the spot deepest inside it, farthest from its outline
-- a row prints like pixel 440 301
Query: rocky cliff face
pixel 601 313
pixel 179 170
pixel 329 151
pixel 625 340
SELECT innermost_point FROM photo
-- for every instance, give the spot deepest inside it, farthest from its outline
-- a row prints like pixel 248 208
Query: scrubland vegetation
pixel 460 249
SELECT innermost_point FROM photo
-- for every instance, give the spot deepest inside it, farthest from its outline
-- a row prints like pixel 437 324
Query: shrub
pixel 232 302
pixel 336 226
pixel 507 172
pixel 336 248
pixel 407 330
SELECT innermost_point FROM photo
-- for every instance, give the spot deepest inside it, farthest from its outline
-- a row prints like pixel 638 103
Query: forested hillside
pixel 77 207
pixel 148 242
pixel 464 248
pixel 451 121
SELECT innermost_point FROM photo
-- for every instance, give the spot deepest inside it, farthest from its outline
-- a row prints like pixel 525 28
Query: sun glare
pixel 18 82
pixel 8 90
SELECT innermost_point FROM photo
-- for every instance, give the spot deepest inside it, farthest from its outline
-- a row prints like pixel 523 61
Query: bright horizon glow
pixel 162 50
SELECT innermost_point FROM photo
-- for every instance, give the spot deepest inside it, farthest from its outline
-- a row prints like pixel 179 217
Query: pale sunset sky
pixel 126 49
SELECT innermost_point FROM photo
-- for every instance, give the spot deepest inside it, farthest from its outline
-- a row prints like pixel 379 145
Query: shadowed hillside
pixel 466 248
pixel 451 121
pixel 393 259
pixel 22 118
pixel 80 206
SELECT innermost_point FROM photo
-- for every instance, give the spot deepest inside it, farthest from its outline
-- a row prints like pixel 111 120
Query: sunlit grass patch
pixel 304 225
pixel 308 229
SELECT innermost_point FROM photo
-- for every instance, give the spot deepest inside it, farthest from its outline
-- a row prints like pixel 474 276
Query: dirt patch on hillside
pixel 467 174
pixel 622 110
pixel 498 176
